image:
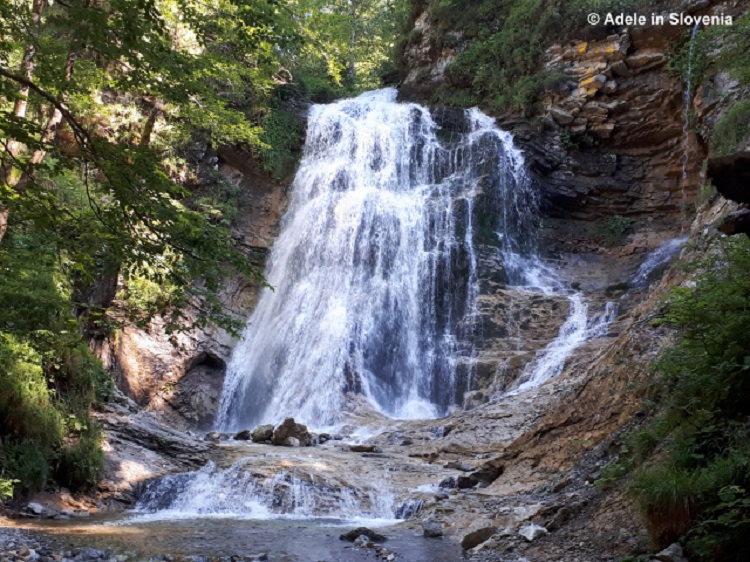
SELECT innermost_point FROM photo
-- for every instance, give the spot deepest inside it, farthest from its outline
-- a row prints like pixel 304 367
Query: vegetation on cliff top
pixel 502 65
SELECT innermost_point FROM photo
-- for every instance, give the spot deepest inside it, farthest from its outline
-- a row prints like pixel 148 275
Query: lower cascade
pixel 247 491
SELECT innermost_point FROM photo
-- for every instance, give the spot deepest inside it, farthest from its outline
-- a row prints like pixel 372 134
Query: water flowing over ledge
pixel 374 273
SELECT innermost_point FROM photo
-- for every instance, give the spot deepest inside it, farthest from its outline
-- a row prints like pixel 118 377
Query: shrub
pixel 503 63
pixel 81 462
pixel 696 487
pixel 731 132
pixel 614 231
pixel 48 376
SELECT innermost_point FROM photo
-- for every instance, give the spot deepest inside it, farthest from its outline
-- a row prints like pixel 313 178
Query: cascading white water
pixel 374 271
pixel 687 97
pixel 657 260
pixel 243 492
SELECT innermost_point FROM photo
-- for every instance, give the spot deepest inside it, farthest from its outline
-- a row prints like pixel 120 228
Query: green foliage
pixel 348 46
pixel 48 377
pixel 731 132
pixel 707 193
pixel 568 142
pixel 692 457
pixel 614 231
pixel 283 132
pixel 502 64
pixel 6 488
pixel 80 463
pixel 27 463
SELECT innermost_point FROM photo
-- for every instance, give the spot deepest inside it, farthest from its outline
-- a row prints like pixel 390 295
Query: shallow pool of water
pixel 282 540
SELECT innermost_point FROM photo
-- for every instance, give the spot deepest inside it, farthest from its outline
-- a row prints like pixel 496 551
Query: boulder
pixel 288 429
pixel 354 534
pixel 364 449
pixel 465 482
pixel 737 222
pixel 262 433
pixel 432 528
pixel 477 537
pixel 243 435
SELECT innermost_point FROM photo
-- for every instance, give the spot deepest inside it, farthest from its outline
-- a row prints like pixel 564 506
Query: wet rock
pixel 465 482
pixel 736 223
pixel 86 553
pixel 354 534
pixel 291 442
pixel 364 449
pixel 292 429
pixel 243 435
pixel 262 433
pixel 673 553
pixel 448 483
pixel 362 540
pixel 409 508
pixel 477 537
pixel 462 466
pixel 432 528
pixel 38 509
pixel 532 532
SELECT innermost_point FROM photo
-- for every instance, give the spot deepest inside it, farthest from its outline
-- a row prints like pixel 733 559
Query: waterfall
pixel 687 97
pixel 373 275
pixel 244 491
pixel 656 261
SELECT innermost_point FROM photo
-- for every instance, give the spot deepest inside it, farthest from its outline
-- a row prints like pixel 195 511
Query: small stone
pixel 532 532
pixel 244 435
pixel 673 553
pixel 362 448
pixel 291 442
pixel 37 508
pixel 462 466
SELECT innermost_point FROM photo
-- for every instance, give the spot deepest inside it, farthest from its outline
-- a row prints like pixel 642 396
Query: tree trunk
pixel 13 147
pixel 56 117
pixel 352 41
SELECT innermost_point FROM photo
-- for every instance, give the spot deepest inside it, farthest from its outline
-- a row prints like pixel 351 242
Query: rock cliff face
pixel 179 377
pixel 615 134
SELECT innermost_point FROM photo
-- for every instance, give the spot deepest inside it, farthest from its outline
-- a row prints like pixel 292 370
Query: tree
pixel 97 99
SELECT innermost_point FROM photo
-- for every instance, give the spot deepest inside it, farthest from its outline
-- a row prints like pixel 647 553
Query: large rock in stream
pixel 287 432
